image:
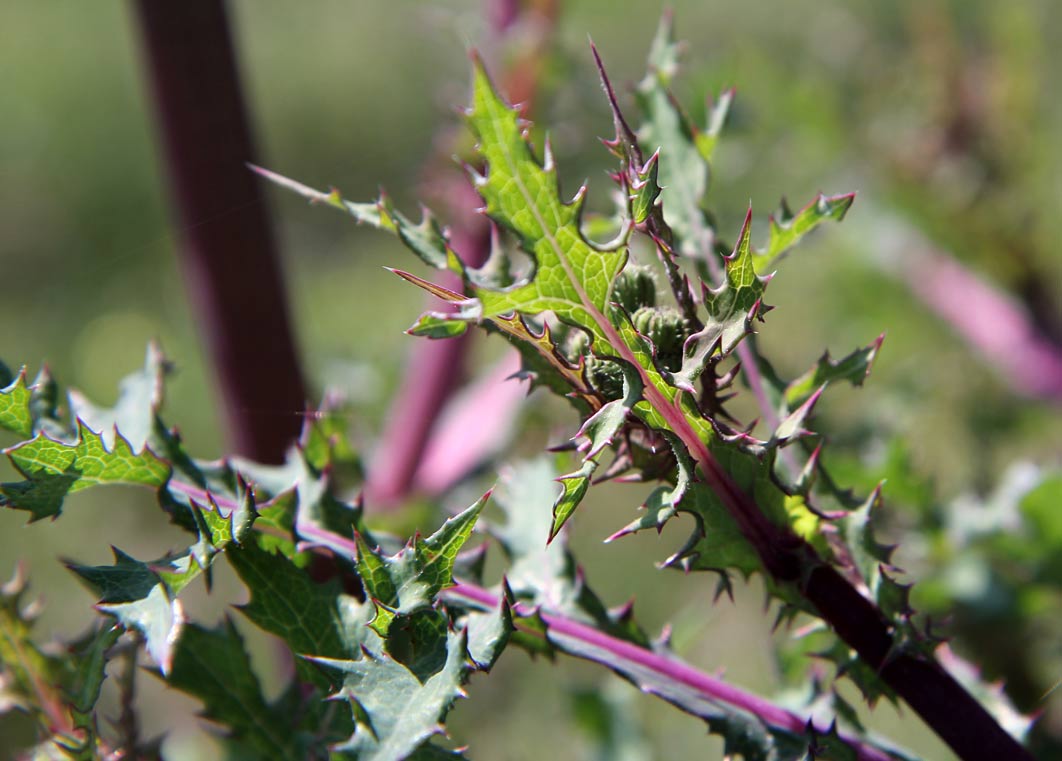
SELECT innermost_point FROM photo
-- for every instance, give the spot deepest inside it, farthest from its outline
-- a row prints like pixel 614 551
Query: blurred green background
pixel 945 116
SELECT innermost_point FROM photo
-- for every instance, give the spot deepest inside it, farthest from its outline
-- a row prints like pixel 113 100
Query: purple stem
pixel 227 249
pixel 436 368
pixel 994 324
pixel 666 668
pixel 669 669
pixel 475 425
pixel 434 372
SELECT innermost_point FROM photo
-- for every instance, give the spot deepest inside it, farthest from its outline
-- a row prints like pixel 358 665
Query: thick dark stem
pixel 227 249
pixel 935 695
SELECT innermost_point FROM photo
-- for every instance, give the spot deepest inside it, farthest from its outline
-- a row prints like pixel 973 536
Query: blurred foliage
pixel 940 112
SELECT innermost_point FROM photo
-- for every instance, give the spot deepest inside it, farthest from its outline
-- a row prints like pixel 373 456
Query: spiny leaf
pixel 868 553
pixel 489 633
pixel 543 362
pixel 395 711
pixel 135 595
pixel 526 492
pixel 425 238
pixel 737 301
pixel 792 427
pixel 15 413
pixel 54 469
pixel 731 308
pixel 574 486
pixel 663 503
pixel 143 596
pixel 438 325
pixel 644 189
pixel 312 618
pixel 212 666
pixel 853 368
pixel 408 582
pixel 787 228
pixel 140 396
pixel 717 544
pixel 684 150
pixel 600 428
pixel 58 687
pixel 546 575
pixel 571 279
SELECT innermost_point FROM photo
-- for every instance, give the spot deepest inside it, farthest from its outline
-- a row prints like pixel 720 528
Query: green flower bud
pixel 634 288
pixel 667 329
pixel 605 376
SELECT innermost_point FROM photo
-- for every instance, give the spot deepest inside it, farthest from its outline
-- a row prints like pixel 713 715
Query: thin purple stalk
pixel 670 669
pixel 750 369
pixel 431 376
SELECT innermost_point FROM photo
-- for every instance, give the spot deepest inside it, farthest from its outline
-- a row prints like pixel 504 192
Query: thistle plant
pixel 650 337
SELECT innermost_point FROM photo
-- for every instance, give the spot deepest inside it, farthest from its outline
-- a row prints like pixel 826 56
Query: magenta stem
pixel 668 668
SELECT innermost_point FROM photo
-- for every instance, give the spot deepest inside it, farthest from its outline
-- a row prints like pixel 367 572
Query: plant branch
pixel 664 667
pixel 938 698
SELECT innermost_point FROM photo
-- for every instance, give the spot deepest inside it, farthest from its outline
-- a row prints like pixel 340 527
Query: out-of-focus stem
pixel 436 368
pixel 991 322
pixel 227 249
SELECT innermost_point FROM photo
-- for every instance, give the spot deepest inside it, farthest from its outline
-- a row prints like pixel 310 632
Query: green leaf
pixel 144 596
pixel 574 487
pixel 135 595
pixel 15 413
pixel 787 228
pixel 408 582
pixel 600 428
pixel 867 553
pixel 140 396
pixel 526 492
pixel 684 150
pixel 312 618
pixel 212 665
pixel 541 574
pixel 734 304
pixel 395 711
pixel 663 503
pixel 489 633
pixel 572 279
pixel 717 544
pixel 425 238
pixel 853 368
pixel 792 428
pixel 731 309
pixel 644 189
pixel 57 687
pixel 54 469
pixel 438 325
